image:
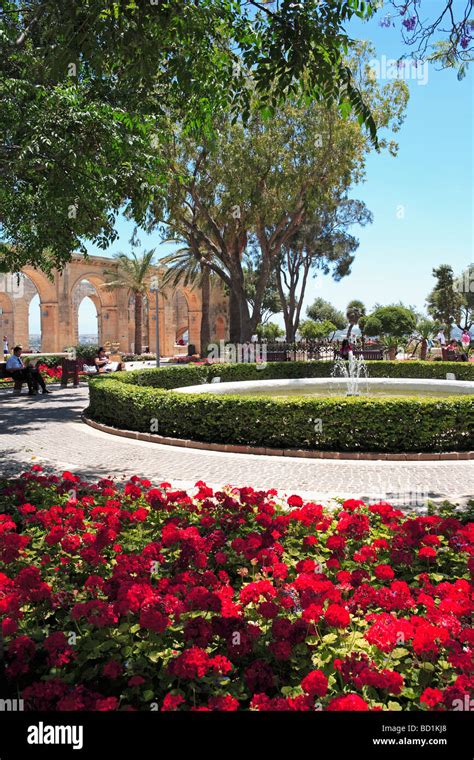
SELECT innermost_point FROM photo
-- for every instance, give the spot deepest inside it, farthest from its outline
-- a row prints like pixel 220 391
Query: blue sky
pixel 431 178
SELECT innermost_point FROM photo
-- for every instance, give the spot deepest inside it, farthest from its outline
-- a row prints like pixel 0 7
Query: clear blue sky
pixel 432 178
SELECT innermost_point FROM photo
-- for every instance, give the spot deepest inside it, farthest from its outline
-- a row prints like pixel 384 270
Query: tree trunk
pixel 246 330
pixel 234 317
pixel 138 322
pixel 205 296
pixel 423 348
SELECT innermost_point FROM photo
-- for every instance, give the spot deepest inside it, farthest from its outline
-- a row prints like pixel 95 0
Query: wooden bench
pixel 277 356
pixel 452 356
pixel 369 354
pixel 5 375
pixel 69 371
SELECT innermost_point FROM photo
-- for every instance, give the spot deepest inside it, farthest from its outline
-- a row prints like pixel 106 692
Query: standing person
pixel 5 346
pixel 441 338
pixel 29 375
pixel 465 339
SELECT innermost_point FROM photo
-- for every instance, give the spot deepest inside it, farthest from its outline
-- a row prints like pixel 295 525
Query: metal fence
pixel 313 350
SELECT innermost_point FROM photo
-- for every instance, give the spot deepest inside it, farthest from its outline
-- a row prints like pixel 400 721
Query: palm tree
pixel 355 310
pixel 425 330
pixel 185 267
pixel 132 273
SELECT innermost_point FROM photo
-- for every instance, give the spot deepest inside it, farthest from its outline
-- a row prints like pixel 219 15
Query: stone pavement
pixel 48 430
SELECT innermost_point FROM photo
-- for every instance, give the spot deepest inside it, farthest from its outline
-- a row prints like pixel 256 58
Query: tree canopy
pixel 394 321
pixel 89 88
pixel 251 186
pixel 452 299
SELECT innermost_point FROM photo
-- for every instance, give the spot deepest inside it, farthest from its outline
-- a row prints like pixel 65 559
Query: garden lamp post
pixel 154 289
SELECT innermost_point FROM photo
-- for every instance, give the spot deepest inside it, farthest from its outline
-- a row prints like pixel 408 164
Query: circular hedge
pixel 143 401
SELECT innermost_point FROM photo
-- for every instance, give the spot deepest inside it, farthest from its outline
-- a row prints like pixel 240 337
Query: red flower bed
pixel 152 598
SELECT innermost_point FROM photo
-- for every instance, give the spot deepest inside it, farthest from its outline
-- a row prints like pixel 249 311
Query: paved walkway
pixel 48 430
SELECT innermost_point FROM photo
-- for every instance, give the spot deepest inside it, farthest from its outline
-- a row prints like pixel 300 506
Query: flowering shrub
pixel 152 598
pixel 51 373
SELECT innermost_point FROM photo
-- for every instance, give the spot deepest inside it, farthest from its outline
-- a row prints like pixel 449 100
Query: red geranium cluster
pixel 147 597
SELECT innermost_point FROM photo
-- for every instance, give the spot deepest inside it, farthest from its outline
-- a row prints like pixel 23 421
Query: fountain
pixel 352 371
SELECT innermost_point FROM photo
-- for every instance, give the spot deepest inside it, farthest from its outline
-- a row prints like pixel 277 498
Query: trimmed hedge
pixel 348 423
pixel 176 377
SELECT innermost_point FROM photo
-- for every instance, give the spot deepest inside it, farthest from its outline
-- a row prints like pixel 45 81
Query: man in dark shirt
pixel 30 375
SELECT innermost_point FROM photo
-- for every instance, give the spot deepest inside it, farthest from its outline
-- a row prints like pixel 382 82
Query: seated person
pixel 346 348
pixel 29 375
pixel 453 346
pixel 103 363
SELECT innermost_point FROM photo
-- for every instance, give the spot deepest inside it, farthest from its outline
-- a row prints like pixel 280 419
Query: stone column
pixel 20 335
pixel 109 330
pixel 195 328
pixel 52 339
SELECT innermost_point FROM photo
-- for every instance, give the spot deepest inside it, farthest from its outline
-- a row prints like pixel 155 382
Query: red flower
pixel 337 616
pixel 172 702
pixel 225 703
pixel 259 676
pixel 112 669
pixel 350 702
pixel 384 572
pixel 136 681
pixel 281 650
pixel 431 697
pixel 315 684
pixel 427 552
pixel 154 619
pixel 106 704
pixel 295 501
pixel 192 663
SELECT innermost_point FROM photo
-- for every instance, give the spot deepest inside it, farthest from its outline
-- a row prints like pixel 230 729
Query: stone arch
pixel 49 311
pixel 107 298
pixel 18 291
pixel 92 285
pixel 46 288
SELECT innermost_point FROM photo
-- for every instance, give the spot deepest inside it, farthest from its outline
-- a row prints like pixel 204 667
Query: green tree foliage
pixel 269 331
pixel 452 299
pixel 323 311
pixel 354 311
pixel 254 184
pixel 317 330
pixel 395 321
pixel 88 87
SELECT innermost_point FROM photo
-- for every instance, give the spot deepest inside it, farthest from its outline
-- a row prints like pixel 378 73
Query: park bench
pixel 451 356
pixel 369 354
pixel 70 368
pixel 277 356
pixel 5 375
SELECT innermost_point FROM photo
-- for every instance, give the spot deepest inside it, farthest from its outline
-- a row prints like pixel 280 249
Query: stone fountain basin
pixel 336 387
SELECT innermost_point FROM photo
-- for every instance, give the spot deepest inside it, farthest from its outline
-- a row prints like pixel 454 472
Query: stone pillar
pixel 66 312
pixel 109 331
pixel 195 328
pixel 122 320
pixel 21 333
pixel 52 339
pixel 161 322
